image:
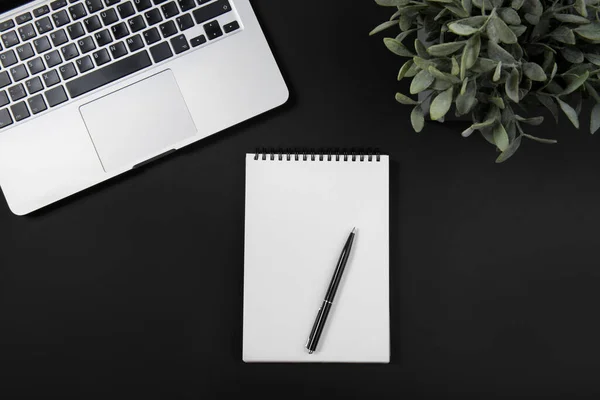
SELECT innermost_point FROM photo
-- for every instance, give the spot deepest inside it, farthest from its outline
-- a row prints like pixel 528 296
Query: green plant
pixel 496 60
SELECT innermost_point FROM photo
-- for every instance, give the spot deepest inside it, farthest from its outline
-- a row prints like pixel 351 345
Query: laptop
pixel 90 89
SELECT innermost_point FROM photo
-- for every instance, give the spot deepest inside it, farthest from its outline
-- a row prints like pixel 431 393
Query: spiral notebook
pixel 300 209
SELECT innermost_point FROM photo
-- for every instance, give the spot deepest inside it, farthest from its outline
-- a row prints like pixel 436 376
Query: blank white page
pixel 298 217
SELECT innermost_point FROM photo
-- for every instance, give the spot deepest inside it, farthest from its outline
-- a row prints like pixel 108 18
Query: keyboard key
pixel 61 18
pixel 184 22
pixel 86 44
pixel 119 30
pixel 25 51
pixel 94 5
pixel 10 39
pixel 186 5
pixel 20 111
pixel 59 37
pixel 77 11
pixel 53 58
pixel 126 10
pixel 136 23
pixel 37 104
pixel 109 16
pixel 168 29
pixel 50 78
pixel 157 2
pixel 161 52
pixel 211 11
pixel 43 10
pixel 142 5
pixel 111 2
pixel 92 23
pixel 19 73
pixel 4 100
pixel 69 51
pixel 56 96
pixel 44 25
pixel 21 19
pixel 27 32
pixel 17 92
pixel 110 73
pixel 67 71
pixel 42 44
pixel 6 25
pixel 103 37
pixel 153 16
pixel 8 58
pixel 84 64
pixel 55 5
pixel 170 10
pixel 135 43
pixel 200 2
pixel 101 57
pixel 75 30
pixel 34 85
pixel 197 41
pixel 180 44
pixel 151 36
pixel 5 119
pixel 36 65
pixel 118 50
pixel 230 27
pixel 4 79
pixel 213 30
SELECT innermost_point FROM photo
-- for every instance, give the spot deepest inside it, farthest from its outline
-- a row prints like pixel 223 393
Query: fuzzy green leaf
pixel 467 100
pixel 530 121
pixel 462 30
pixel 455 67
pixel 540 140
pixel 572 54
pixel 497 101
pixel 510 16
pixel 547 102
pixel 572 19
pixel 534 72
pixel 445 49
pixel 510 150
pixel 575 83
pixel 420 82
pixel 569 112
pixel 421 49
pixel 383 26
pixel 500 137
pixel 512 85
pixel 517 4
pixel 403 99
pixel 417 119
pixel 497 53
pixel 441 104
pixel 593 58
pixel 470 55
pixel 595 119
pixel 497 30
pixel 580 7
pixel 442 75
pixel 497 72
pixel 396 47
pixel 590 32
pixel 564 35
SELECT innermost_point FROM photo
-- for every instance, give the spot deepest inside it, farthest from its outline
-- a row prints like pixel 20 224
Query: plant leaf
pixel 396 47
pixel 590 32
pixel 534 72
pixel 498 102
pixel 595 119
pixel 517 4
pixel 580 7
pixel 417 119
pixel 455 67
pixel 441 104
pixel 497 72
pixel 445 49
pixel 442 75
pixel 569 112
pixel 420 82
pixel 593 58
pixel 530 121
pixel 405 69
pixel 572 19
pixel 467 100
pixel 572 54
pixel 383 26
pixel 420 49
pixel 510 150
pixel 470 55
pixel 549 104
pixel 497 53
pixel 564 35
pixel 500 137
pixel 575 83
pixel 510 16
pixel 462 30
pixel 403 35
pixel 540 140
pixel 498 30
pixel 512 85
pixel 403 99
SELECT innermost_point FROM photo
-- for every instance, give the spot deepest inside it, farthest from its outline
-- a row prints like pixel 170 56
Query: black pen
pixel 317 329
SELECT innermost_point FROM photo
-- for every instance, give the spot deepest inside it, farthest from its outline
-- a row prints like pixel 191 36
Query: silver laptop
pixel 90 89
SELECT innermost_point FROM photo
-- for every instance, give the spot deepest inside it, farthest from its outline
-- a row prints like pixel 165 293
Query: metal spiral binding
pixel 332 154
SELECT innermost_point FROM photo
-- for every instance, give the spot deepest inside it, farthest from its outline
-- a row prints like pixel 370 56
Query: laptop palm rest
pixel 138 122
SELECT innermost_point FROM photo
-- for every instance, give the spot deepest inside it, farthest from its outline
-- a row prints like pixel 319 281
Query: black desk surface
pixel 134 289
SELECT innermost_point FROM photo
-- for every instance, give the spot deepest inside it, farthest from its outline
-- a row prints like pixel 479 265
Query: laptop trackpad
pixel 138 122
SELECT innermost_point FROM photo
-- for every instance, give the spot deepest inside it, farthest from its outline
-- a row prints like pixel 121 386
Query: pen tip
pixel 354 230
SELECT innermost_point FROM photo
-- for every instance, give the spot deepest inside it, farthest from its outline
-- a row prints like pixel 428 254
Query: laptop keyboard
pixel 67 48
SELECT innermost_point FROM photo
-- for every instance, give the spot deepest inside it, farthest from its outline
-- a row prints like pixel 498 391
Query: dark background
pixel 134 289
